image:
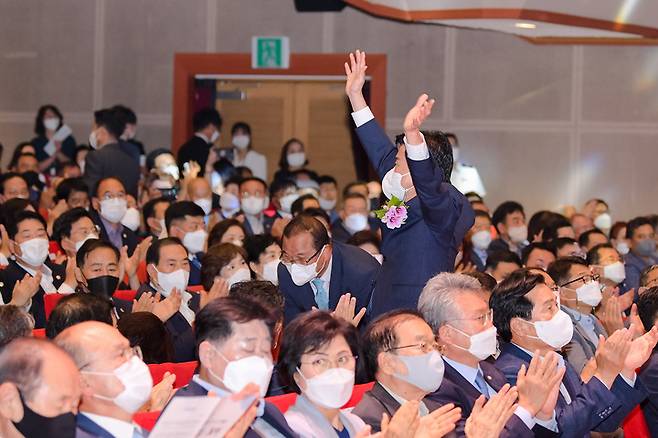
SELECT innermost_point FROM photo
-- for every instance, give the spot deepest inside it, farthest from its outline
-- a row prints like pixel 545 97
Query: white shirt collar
pixel 45 270
pixel 203 137
pixel 468 373
pixel 116 427
pixel 422 408
pixel 326 277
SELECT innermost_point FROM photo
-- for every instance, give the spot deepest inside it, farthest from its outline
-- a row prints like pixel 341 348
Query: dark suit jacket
pixel 195 270
pixel 179 329
pixel 267 224
pixel 112 160
pixel 456 389
pixel 352 270
pixel 128 236
pixel 378 401
pixel 649 376
pixel 272 415
pixel 340 234
pixel 438 218
pixel 593 407
pixel 86 428
pixel 195 149
pixel 13 273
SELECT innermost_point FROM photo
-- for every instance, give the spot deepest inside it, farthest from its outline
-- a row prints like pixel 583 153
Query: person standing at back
pixel 206 123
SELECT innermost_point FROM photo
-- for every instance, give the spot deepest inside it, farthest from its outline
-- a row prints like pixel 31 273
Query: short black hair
pixel 64 223
pixel 76 308
pixel 127 114
pixel 505 209
pixel 327 179
pixel 15 322
pixel 363 237
pixel 111 120
pixel 380 336
pixel 68 186
pixel 9 175
pixel 256 244
pixel 593 256
pixel 281 184
pixel 215 321
pixel 307 333
pixel 502 256
pixel 636 223
pixel 298 206
pixel 487 281
pixel 647 307
pixel 153 253
pixel 244 126
pixel 179 209
pixel 348 188
pixel 253 178
pixel 528 249
pixel 220 228
pixel 508 300
pixel 264 292
pixel 21 216
pixel 561 242
pixel 146 331
pixel 12 206
pixel 440 151
pixel 559 269
pixel 148 210
pixel 205 117
pixel 92 245
pixel 583 240
pixel 304 224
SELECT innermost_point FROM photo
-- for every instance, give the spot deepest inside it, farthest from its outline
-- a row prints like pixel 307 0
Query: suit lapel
pixel 86 424
pixel 335 288
pixel 382 396
pixel 492 376
pixel 459 380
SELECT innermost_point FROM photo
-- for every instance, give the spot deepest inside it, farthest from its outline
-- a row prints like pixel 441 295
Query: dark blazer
pixel 340 234
pixel 68 149
pixel 128 236
pixel 479 264
pixel 179 329
pixel 499 244
pixel 649 376
pixel 195 149
pixel 267 224
pixel 112 160
pixel 593 407
pixel 272 415
pixel 195 270
pixel 438 219
pixel 634 266
pixel 352 270
pixel 378 401
pixel 456 389
pixel 87 428
pixel 13 273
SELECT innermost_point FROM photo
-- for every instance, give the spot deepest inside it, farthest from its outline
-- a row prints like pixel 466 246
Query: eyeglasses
pixel 109 196
pixel 287 260
pixel 587 278
pixel 425 347
pixel 484 319
pixel 323 364
pixel 127 353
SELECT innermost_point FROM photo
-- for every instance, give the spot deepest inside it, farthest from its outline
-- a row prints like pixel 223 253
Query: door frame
pixel 189 65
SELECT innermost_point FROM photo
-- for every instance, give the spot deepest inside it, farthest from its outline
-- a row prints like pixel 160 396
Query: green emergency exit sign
pixel 270 52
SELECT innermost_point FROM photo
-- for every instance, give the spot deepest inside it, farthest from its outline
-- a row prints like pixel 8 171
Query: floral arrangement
pixel 393 213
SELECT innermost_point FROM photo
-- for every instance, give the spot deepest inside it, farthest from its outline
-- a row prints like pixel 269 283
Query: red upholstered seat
pixel 197 288
pixel 147 419
pixel 127 295
pixel 283 402
pixel 635 425
pixel 183 371
pixel 39 333
pixel 50 301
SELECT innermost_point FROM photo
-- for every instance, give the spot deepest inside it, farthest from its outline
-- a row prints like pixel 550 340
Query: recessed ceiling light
pixel 525 25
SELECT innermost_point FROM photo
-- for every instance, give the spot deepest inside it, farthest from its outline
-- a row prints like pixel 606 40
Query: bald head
pixel 90 341
pixel 199 188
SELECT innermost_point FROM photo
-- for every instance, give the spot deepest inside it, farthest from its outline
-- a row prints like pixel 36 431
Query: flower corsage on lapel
pixel 393 213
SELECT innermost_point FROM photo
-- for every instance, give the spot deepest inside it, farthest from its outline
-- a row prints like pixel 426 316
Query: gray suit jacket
pixel 581 349
pixel 308 422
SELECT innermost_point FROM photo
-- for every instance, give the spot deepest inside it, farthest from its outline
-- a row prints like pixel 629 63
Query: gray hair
pixel 21 363
pixel 15 322
pixel 437 300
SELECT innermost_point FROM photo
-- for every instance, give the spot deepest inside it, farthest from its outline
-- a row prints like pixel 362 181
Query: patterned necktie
pixel 321 296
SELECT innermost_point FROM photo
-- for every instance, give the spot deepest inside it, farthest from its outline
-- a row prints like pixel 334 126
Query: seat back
pixel 635 425
pixel 285 401
pixel 182 370
pixel 147 419
pixel 39 333
pixel 127 295
pixel 50 301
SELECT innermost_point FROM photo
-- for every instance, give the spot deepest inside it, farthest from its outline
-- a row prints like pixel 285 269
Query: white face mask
pixel 327 204
pixel 169 281
pixel 455 154
pixel 242 274
pixel 518 234
pixel 392 185
pixel 205 204
pixel 331 389
pixel 79 243
pixel 51 123
pixel 195 241
pixel 302 274
pixel 93 141
pixel 239 373
pixel 113 210
pixel 556 332
pixel 356 222
pixel 270 272
pixel 603 222
pixel 424 371
pixel 296 159
pixel 137 384
pixel 287 201
pixel 131 219
pixel 481 239
pixel 615 272
pixel 34 251
pixel 623 248
pixel 253 205
pixel 214 137
pixel 229 203
pixel 482 344
pixel 241 141
pixel 589 293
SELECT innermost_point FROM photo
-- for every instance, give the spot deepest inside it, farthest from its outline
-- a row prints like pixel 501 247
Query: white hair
pixel 437 300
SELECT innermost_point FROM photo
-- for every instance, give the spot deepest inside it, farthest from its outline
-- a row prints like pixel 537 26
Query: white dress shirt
pixel 47 280
pixel 118 428
pixel 184 308
pixel 256 162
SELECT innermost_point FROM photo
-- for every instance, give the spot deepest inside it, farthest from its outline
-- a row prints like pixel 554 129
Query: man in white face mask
pixel 199 192
pixel 509 220
pixel 74 228
pixel 234 338
pixel 115 382
pixel 28 243
pixel 530 323
pixel 110 205
pixel 608 264
pixel 328 196
pixel 353 218
pixel 253 200
pixel 455 306
pixel 184 220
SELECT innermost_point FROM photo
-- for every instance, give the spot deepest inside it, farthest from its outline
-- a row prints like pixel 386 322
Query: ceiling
pixel 540 21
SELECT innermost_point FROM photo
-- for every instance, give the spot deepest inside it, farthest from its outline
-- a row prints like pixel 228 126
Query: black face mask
pixel 103 286
pixel 38 426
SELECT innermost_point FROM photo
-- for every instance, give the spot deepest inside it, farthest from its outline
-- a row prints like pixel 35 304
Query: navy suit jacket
pixel 593 407
pixel 180 330
pixel 271 416
pixel 195 270
pixel 340 234
pixel 649 376
pixel 438 219
pixel 86 428
pixel 352 270
pixel 128 236
pixel 456 389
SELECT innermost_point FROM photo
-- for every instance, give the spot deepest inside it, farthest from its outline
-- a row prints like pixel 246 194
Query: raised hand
pixel 70 273
pixel 356 77
pixel 439 423
pixel 611 355
pixel 4 249
pixel 546 412
pixel 415 118
pixel 610 314
pixel 346 309
pixel 25 289
pixel 535 384
pixel 240 428
pixel 640 351
pixel 165 309
pixel 144 304
pixel 404 423
pixel 218 289
pixel 488 420
pixel 637 322
pixel 162 392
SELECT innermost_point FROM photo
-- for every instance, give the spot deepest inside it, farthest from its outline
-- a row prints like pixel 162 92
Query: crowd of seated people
pixel 397 307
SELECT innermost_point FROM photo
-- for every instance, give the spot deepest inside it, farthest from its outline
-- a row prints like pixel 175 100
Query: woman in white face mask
pixel 243 153
pixel 318 358
pixel 293 158
pixel 226 261
pixel 227 231
pixel 53 141
pixel 264 257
